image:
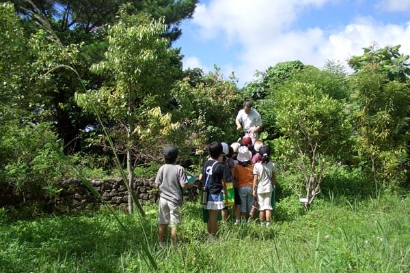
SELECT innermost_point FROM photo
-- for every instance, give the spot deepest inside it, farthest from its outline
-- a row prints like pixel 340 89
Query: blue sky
pixel 243 36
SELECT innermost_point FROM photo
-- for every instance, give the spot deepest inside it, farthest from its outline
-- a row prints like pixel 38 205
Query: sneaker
pixel 161 244
pixel 237 222
pixel 263 224
pixel 267 224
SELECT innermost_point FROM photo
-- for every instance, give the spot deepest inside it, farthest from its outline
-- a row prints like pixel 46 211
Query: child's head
pixel 258 144
pixel 170 154
pixel 244 156
pixel 230 152
pixel 215 150
pixel 235 146
pixel 225 148
pixel 246 141
pixel 264 151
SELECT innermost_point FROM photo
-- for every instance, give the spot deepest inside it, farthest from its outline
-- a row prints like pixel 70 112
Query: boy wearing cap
pixel 171 179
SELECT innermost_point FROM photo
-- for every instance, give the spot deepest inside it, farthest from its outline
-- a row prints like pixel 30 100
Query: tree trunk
pixel 130 178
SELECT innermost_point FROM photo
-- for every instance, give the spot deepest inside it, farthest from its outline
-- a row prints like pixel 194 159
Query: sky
pixel 244 37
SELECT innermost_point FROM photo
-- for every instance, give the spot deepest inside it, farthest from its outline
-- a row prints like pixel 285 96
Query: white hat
pixel 258 144
pixel 244 154
pixel 225 148
pixel 235 146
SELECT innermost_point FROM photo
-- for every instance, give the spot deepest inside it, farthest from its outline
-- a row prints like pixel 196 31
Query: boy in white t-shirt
pixel 171 179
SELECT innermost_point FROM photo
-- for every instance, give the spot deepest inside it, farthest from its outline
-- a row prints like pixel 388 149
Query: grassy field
pixel 334 236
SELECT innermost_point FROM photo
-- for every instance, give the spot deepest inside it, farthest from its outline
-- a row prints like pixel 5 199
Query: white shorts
pixel 264 200
pixel 169 213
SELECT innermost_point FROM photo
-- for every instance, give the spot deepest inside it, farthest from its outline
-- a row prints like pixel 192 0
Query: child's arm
pixel 273 179
pixel 255 183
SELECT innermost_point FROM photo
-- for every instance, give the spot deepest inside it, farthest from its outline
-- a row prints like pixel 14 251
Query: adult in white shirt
pixel 250 121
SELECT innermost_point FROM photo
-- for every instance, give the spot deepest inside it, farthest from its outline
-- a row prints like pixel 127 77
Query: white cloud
pixel 194 62
pixel 247 22
pixel 394 5
pixel 261 29
pixel 316 46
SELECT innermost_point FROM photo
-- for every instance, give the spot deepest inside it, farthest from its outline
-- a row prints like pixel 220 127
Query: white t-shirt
pixel 249 121
pixel 264 172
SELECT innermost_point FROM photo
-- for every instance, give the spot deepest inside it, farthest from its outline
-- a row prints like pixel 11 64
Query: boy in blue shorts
pixel 214 183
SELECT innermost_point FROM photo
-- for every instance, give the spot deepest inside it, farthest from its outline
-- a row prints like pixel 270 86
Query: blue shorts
pixel 215 201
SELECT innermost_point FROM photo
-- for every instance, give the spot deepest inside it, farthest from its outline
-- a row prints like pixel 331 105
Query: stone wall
pixel 74 195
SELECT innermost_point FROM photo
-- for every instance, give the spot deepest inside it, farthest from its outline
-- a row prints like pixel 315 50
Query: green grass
pixel 334 236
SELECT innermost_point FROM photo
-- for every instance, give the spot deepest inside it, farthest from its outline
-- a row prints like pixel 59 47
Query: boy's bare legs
pixel 267 216
pixel 237 213
pixel 174 234
pixel 224 213
pixel 262 216
pixel 161 233
pixel 213 222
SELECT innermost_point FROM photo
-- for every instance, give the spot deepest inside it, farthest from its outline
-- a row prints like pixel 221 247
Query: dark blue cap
pixel 170 151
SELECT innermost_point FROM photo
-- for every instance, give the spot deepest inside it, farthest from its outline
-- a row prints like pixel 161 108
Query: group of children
pixel 245 167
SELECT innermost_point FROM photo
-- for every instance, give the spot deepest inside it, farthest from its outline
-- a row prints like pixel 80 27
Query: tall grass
pixel 372 236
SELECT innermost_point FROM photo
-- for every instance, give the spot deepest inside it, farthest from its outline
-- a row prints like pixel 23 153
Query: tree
pixel 314 128
pixel 282 72
pixel 30 155
pixel 261 90
pixel 381 110
pixel 387 59
pixel 13 63
pixel 84 24
pixel 207 108
pixel 138 63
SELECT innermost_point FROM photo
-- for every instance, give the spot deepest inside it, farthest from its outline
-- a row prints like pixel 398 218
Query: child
pixel 264 181
pixel 256 157
pixel 171 179
pixel 214 183
pixel 228 163
pixel 237 207
pixel 243 174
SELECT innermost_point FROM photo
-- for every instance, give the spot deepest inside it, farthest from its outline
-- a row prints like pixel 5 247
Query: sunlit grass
pixel 371 236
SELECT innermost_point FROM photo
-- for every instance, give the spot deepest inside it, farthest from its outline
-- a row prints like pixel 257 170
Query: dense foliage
pixel 110 88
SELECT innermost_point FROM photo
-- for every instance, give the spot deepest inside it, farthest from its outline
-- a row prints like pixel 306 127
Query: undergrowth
pixel 334 236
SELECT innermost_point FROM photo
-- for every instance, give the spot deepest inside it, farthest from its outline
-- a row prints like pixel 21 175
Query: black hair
pixel 215 149
pixel 247 104
pixel 170 160
pixel 251 148
pixel 230 152
pixel 264 151
pixel 245 163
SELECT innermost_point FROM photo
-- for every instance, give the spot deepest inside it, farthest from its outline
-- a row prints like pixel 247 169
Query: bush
pixel 288 209
pixel 32 162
